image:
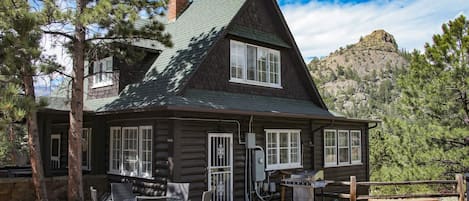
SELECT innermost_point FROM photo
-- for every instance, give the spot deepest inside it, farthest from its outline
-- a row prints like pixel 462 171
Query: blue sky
pixel 322 26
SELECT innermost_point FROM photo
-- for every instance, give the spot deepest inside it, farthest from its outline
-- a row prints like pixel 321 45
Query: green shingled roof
pixel 193 34
pixel 249 33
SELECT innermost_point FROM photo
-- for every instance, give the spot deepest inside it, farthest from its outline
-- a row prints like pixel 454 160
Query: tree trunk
pixel 33 142
pixel 75 181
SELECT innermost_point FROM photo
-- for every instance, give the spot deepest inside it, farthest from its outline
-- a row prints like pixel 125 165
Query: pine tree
pixel 20 57
pixel 436 91
pixel 91 29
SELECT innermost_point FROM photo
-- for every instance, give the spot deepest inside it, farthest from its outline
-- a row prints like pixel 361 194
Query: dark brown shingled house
pixel 227 108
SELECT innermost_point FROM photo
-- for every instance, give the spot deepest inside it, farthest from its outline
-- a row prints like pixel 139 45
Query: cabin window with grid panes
pixel 255 65
pixel 102 72
pixel 283 149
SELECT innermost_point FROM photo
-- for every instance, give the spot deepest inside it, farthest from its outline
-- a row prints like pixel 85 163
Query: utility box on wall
pixel 258 165
pixel 250 140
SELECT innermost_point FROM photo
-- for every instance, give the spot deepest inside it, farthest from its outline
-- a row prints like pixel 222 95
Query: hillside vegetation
pixel 420 98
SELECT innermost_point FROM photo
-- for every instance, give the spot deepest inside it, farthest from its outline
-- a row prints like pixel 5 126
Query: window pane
pixel 146 169
pixel 272 156
pixel 330 155
pixel 109 65
pixel 343 139
pixel 284 155
pixel 237 57
pixel 115 149
pixel 343 155
pixel 251 62
pixel 274 67
pixel 355 137
pixel 330 138
pixel 262 65
pixel 356 154
pixel 283 139
pixel 129 151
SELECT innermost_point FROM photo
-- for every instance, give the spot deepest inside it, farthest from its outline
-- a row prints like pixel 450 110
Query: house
pixel 232 102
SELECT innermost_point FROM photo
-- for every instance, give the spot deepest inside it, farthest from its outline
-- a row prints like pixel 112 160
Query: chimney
pixel 174 8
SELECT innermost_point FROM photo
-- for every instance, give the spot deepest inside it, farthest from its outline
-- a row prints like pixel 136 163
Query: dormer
pixel 254 65
pixel 108 76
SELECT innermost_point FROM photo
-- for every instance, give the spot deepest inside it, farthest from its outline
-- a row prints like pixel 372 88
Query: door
pixel 220 166
pixel 55 151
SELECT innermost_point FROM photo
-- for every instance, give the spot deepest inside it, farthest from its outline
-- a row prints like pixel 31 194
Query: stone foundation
pixel 22 189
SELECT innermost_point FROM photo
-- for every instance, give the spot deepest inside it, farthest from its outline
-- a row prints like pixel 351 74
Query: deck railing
pixel 353 196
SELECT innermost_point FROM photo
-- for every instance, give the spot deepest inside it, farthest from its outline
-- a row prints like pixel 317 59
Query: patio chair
pixel 207 196
pixel 177 191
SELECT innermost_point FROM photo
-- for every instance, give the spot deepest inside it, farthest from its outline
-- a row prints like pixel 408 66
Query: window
pixel 255 65
pixel 55 151
pixel 86 149
pixel 355 138
pixel 131 151
pixel 342 147
pixel 115 157
pixel 102 70
pixel 330 150
pixel 283 149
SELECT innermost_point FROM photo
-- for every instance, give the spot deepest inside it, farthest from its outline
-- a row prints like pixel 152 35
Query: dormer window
pixel 102 70
pixel 251 64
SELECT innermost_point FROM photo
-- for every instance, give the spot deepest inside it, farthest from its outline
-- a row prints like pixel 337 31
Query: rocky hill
pixel 355 78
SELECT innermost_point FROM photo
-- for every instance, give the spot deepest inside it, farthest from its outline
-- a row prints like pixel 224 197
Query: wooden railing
pixel 353 196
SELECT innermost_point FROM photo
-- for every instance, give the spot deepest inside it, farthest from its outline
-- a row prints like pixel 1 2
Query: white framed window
pixel 330 148
pixel 283 147
pixel 55 151
pixel 86 149
pixel 355 144
pixel 146 143
pixel 342 147
pixel 130 151
pixel 251 64
pixel 102 70
pixel 115 156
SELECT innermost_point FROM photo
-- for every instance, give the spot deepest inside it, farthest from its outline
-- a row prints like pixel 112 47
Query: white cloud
pixel 320 28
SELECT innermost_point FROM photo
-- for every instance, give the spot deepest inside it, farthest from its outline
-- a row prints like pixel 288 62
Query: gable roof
pixel 194 33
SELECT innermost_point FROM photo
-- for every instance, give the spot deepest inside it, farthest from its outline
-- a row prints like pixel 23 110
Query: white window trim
pixel 124 172
pixel 339 147
pixel 337 164
pixel 139 152
pixel 88 167
pixel 95 74
pixel 244 80
pixel 359 161
pixel 286 165
pixel 52 157
pixel 335 146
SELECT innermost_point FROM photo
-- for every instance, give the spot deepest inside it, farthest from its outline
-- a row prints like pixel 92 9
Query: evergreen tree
pixel 436 91
pixel 20 57
pixel 93 29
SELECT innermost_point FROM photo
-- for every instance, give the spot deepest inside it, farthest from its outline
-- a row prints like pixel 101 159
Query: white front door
pixel 220 166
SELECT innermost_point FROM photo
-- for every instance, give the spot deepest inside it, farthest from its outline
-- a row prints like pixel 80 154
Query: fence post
pixel 353 188
pixel 467 186
pixel 460 187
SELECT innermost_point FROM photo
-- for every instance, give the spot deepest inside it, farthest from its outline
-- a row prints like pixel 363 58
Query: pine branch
pixel 60 34
pixel 120 38
pixel 64 74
